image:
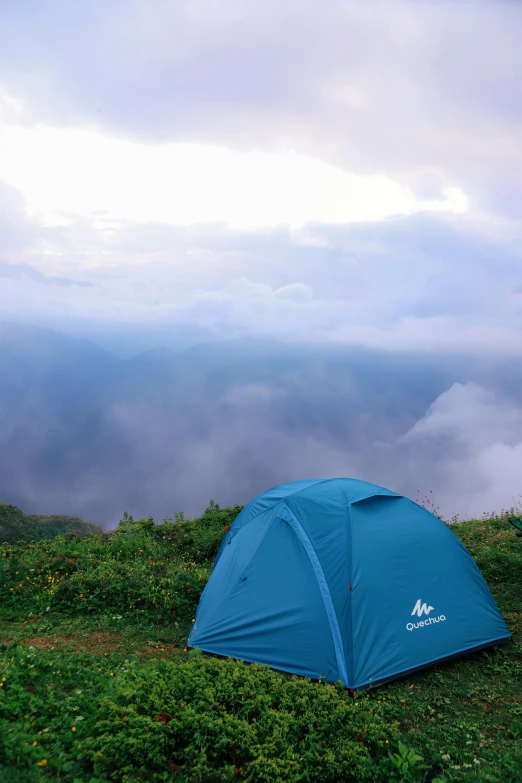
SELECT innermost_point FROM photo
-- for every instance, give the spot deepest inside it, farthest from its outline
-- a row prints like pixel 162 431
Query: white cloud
pixel 478 435
pixel 469 414
pixel 432 335
pixel 67 173
pixel 296 292
pixel 243 288
pixel 498 466
pixel 11 109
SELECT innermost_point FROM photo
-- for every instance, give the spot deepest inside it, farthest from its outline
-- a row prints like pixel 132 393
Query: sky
pixel 338 172
pixel 341 171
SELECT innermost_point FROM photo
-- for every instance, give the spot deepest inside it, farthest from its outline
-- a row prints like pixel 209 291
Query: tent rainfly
pixel 343 580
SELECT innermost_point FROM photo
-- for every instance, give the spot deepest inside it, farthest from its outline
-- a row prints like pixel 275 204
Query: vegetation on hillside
pixel 16 527
pixel 96 684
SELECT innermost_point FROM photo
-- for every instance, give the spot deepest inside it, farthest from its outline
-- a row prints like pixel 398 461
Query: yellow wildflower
pixel 42 763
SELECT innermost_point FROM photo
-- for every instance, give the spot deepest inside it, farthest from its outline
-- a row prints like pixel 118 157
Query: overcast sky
pixel 317 171
pixel 321 170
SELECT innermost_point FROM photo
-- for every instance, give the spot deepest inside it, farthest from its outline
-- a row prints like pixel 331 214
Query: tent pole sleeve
pixel 287 515
pixel 349 635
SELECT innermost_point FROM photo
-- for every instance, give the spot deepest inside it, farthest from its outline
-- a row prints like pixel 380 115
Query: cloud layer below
pixel 164 432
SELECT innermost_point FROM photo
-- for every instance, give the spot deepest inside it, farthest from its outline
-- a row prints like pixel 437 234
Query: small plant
pixel 427 503
pixel 405 765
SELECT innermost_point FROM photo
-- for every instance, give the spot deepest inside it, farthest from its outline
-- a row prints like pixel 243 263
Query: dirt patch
pixel 98 639
pixel 39 641
pixel 158 652
pixel 171 652
pixel 95 642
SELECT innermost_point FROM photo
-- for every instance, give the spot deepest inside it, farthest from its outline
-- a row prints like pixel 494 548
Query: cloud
pixel 244 289
pixel 456 413
pixel 499 467
pixel 356 166
pixel 66 174
pixel 17 232
pixel 470 443
pixel 297 292
pixel 165 432
pixel 380 86
pixel 21 271
pixel 434 335
pixel 423 282
pixel 340 174
pixel 249 394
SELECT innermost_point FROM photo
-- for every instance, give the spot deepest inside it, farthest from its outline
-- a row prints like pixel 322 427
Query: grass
pixel 96 685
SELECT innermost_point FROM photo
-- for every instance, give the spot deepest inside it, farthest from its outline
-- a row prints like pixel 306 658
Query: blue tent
pixel 343 580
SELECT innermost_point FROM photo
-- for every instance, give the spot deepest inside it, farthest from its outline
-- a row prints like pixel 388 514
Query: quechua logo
pixel 421 609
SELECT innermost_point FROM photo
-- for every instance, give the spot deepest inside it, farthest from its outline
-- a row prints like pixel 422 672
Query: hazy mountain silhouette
pixel 91 435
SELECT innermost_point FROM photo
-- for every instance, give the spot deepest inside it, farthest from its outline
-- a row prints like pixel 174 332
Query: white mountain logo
pixel 420 609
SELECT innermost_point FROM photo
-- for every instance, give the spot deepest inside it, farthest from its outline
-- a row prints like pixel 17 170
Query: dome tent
pixel 343 580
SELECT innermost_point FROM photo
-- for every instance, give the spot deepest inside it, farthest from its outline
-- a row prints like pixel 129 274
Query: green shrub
pixel 138 568
pixel 221 719
pixel 207 719
pixel 17 528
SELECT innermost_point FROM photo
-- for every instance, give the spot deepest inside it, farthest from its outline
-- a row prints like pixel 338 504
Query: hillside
pixel 16 527
pixel 96 685
pixel 91 434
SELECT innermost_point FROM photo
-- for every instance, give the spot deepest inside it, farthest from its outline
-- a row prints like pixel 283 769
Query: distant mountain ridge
pixel 160 432
pixel 16 527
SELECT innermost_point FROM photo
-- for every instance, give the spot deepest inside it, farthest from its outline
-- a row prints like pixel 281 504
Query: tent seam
pixel 323 589
pixel 232 533
pixel 350 661
pixel 316 481
pixel 284 500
